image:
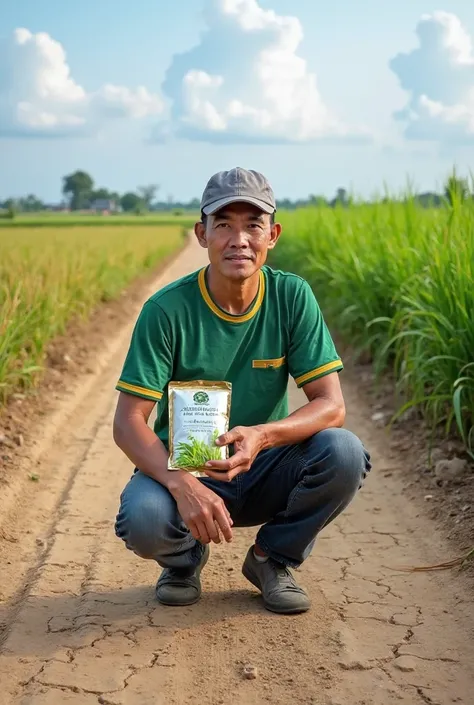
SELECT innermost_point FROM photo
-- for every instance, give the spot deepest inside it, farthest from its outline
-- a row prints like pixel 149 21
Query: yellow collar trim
pixel 227 316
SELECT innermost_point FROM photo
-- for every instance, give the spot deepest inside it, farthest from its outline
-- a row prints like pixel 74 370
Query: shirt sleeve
pixel 312 353
pixel 148 366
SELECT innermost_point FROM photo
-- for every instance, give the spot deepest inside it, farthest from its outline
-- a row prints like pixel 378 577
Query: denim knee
pixel 145 522
pixel 339 453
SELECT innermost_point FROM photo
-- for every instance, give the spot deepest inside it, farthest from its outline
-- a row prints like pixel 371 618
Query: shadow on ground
pixel 53 622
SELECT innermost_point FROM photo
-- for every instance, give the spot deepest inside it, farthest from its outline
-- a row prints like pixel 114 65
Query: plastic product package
pixel 199 413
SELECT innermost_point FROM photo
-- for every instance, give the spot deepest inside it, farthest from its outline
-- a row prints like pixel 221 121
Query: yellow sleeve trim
pixel 126 387
pixel 336 364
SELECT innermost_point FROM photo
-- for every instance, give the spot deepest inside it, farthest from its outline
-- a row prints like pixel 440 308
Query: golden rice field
pixel 49 276
pixel 397 280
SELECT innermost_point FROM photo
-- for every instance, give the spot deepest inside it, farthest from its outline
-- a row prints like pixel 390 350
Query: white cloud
pixel 244 82
pixel 38 95
pixel 439 76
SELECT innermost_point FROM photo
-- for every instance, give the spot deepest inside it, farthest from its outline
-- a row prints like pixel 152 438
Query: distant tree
pixel 11 206
pixel 285 204
pixel 341 198
pixel 30 204
pixel 78 188
pixel 428 199
pixel 456 189
pixel 148 194
pixel 101 194
pixel 341 195
pixel 131 202
pixel 315 200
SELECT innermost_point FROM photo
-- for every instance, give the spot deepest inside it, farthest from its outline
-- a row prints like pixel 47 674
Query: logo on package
pixel 201 398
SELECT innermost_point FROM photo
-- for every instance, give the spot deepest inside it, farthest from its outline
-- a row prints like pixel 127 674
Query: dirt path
pixel 81 626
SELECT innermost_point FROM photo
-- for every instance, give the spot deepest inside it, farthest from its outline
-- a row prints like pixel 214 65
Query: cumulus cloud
pixel 38 95
pixel 244 82
pixel 439 77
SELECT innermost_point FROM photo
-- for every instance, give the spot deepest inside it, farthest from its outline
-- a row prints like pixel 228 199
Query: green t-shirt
pixel 181 334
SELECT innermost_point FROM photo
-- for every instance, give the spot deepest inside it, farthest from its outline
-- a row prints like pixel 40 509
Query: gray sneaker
pixel 178 587
pixel 279 589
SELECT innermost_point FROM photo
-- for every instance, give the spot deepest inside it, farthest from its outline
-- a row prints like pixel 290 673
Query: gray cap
pixel 237 185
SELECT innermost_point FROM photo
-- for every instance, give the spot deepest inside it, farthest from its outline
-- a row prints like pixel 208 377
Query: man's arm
pixel 325 409
pixel 137 440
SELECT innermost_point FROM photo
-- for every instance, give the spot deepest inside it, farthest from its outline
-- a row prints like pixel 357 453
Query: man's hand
pixel 203 512
pixel 248 442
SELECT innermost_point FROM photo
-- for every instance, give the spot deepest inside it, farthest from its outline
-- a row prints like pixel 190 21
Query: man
pixel 240 321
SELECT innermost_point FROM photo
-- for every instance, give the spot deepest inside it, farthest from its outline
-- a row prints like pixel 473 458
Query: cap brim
pixel 217 205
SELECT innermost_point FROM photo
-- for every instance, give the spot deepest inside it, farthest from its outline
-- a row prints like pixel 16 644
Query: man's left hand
pixel 248 442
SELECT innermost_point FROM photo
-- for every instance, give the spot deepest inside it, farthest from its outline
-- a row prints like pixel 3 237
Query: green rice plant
pixel 49 277
pixel 397 281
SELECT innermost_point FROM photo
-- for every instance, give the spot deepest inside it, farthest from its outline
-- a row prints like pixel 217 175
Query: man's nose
pixel 239 238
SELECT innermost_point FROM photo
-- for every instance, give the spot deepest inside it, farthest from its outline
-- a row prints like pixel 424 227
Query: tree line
pixel 80 194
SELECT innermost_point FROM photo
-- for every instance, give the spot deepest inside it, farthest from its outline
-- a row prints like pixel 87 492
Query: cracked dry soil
pixel 79 623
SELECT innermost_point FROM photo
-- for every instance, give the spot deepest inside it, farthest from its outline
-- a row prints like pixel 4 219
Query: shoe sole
pixel 198 597
pixel 252 578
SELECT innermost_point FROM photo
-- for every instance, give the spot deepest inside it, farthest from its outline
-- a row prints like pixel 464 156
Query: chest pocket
pixel 269 364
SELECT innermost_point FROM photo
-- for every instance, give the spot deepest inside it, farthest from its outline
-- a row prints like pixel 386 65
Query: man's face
pixel 238 238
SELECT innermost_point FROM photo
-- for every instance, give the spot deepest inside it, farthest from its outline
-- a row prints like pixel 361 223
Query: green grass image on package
pixel 196 452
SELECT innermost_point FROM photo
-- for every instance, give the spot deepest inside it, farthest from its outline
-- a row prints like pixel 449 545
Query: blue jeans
pixel 291 492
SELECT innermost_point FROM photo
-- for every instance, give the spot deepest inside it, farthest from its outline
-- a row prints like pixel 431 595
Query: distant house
pixel 104 205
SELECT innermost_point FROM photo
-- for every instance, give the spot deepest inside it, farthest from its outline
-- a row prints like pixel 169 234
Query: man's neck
pixel 235 297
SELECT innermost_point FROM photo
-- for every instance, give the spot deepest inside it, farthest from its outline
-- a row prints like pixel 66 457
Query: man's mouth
pixel 239 258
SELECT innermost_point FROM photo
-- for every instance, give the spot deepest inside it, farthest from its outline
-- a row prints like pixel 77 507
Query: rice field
pixel 50 276
pixel 397 281
pixel 47 219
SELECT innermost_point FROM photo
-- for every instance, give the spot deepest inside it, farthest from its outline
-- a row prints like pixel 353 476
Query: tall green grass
pixel 50 276
pixel 397 281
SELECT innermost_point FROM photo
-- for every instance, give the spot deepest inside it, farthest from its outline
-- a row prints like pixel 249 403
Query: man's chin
pixel 239 269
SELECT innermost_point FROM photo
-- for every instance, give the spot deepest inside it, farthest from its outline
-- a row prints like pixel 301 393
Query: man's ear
pixel 274 235
pixel 200 232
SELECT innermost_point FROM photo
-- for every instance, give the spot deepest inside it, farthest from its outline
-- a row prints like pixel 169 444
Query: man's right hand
pixel 203 512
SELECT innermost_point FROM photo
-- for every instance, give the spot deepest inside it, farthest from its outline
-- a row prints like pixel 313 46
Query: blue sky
pixel 316 95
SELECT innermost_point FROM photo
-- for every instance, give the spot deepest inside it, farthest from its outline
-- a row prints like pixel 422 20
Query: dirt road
pixel 81 625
